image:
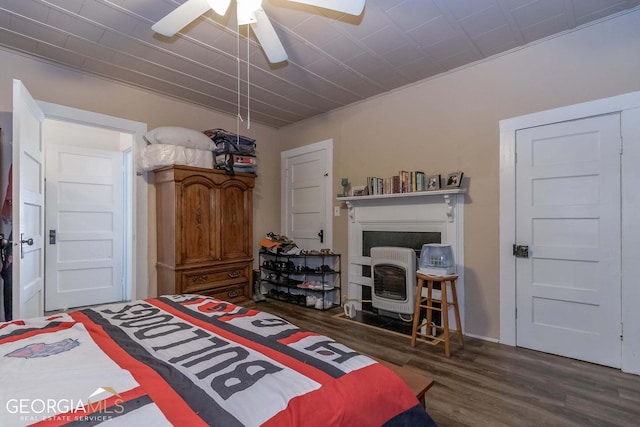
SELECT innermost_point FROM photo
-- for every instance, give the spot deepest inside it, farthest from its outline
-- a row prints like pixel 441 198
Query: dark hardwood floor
pixel 489 384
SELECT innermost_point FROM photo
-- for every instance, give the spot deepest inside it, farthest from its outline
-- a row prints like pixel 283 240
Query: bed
pixel 190 360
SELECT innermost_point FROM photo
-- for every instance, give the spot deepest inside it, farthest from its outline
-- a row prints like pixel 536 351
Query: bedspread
pixel 189 360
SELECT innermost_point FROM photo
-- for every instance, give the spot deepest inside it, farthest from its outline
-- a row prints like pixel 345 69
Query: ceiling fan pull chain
pixel 239 119
pixel 248 84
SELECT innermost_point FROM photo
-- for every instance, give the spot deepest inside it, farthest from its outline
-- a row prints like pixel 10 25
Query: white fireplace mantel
pixel 401 198
pixel 440 211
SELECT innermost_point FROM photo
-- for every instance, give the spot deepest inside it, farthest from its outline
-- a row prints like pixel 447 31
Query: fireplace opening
pixel 390 282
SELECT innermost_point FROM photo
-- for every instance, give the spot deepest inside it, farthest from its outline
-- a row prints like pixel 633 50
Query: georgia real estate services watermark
pixel 67 410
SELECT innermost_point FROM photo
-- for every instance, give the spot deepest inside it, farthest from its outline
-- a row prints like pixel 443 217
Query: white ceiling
pixel 334 59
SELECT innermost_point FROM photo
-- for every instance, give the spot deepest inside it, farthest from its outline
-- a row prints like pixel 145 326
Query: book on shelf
pixel 403 182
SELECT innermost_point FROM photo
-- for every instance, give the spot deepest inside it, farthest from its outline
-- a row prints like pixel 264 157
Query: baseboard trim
pixel 480 337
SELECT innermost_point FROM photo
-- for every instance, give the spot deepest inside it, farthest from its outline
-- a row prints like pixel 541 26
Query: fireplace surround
pixel 436 216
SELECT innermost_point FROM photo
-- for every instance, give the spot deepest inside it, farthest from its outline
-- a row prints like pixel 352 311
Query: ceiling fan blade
pixel 352 7
pixel 182 16
pixel 269 40
pixel 219 6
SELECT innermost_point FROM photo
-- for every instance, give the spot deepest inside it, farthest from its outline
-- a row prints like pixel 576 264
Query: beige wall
pixel 440 125
pixel 450 123
pixel 47 82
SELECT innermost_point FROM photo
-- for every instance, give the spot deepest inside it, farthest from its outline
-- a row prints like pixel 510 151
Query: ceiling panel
pixel 334 59
pixel 422 11
pixel 79 26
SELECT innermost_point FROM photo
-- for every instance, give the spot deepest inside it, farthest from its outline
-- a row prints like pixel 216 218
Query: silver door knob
pixel 28 241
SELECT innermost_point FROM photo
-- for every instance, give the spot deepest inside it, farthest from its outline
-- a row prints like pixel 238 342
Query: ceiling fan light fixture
pixel 246 10
pixel 219 6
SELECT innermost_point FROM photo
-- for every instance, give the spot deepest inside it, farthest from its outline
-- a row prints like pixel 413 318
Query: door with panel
pixel 28 205
pixel 84 222
pixel 306 195
pixel 568 213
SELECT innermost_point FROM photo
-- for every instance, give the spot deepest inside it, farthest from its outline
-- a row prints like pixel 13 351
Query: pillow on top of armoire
pixel 175 135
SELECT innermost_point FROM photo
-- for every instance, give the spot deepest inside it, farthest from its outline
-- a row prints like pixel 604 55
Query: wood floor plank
pixel 489 384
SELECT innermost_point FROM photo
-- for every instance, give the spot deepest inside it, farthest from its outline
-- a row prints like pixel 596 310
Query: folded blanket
pixel 158 155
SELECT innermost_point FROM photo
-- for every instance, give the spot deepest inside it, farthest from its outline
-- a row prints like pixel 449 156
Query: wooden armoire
pixel 205 232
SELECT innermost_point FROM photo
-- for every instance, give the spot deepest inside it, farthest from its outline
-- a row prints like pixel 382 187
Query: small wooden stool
pixel 427 303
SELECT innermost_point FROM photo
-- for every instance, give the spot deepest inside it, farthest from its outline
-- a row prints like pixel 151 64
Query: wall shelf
pixel 413 197
pixel 431 193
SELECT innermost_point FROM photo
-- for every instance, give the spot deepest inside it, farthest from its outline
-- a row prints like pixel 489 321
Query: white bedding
pixel 155 156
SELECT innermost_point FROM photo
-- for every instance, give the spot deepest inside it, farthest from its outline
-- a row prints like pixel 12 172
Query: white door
pixel 306 195
pixel 28 205
pixel 84 226
pixel 568 213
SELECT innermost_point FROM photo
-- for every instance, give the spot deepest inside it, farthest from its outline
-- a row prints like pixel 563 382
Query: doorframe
pixel 327 147
pixel 628 105
pixel 139 275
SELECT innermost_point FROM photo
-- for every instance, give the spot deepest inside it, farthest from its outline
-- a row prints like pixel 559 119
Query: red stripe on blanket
pixel 248 313
pixel 383 390
pixel 167 400
pixel 288 361
pixel 298 336
pixel 60 327
pixel 15 322
pixel 95 407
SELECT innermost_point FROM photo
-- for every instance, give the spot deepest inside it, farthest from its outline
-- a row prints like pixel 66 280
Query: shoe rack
pixel 310 279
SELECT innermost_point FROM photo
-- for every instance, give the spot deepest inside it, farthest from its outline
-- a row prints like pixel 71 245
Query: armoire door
pixel 236 214
pixel 198 199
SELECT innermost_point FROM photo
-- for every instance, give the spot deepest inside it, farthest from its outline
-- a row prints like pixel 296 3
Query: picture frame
pixel 433 182
pixel 454 179
pixel 358 190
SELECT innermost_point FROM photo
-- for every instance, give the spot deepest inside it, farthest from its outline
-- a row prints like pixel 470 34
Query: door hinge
pixel 621 331
pixel 516 312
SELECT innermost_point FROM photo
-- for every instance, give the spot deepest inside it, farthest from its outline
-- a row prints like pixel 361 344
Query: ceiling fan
pixel 249 12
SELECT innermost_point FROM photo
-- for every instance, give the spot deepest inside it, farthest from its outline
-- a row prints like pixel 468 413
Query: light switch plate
pixel 336 211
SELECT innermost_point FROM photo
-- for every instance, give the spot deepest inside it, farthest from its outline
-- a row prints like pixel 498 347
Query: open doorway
pixel 27 145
